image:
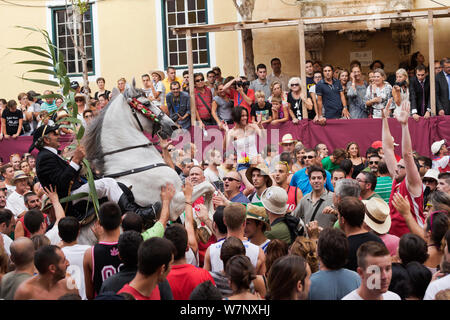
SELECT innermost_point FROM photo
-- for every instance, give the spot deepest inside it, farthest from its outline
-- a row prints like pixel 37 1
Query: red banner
pixel 335 134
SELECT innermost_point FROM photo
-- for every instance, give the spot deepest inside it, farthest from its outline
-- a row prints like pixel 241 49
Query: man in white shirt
pixel 212 172
pixel 15 202
pixel 375 270
pixel 34 219
pixel 69 229
pixel 7 171
pixel 7 223
pixel 277 75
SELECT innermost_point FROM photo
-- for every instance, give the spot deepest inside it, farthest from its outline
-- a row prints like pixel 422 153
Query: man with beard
pixel 405 174
pixel 281 179
pixel 51 282
pixel 373 256
pixel 301 178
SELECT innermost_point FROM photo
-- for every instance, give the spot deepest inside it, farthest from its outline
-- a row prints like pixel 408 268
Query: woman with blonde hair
pixel 295 99
pixel 400 90
pixel 121 84
pixel 278 99
pixel 378 94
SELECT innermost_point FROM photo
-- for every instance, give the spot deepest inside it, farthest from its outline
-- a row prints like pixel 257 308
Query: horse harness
pixel 142 107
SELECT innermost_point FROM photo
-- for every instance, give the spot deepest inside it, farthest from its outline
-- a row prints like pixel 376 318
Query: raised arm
pixel 53 196
pixel 388 143
pixel 189 221
pixel 413 181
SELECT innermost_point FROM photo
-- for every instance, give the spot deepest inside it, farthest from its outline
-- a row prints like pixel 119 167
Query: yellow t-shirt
pixel 166 85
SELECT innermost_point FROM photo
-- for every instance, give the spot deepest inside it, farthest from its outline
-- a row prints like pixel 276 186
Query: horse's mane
pixel 92 138
pixel 93 143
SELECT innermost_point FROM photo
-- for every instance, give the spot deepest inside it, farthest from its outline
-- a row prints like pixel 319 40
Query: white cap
pixel 432 173
pixel 436 146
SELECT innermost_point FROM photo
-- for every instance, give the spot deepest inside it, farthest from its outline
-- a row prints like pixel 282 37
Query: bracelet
pixel 189 203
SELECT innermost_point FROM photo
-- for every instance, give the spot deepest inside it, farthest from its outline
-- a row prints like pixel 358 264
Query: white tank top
pixel 251 251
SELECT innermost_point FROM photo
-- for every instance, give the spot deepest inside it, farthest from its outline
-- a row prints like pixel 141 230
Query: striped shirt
pixel 384 188
pixel 48 107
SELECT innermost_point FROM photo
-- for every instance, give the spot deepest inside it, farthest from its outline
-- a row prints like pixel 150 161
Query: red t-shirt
pixel 138 296
pixel 184 278
pixel 240 101
pixel 398 225
pixel 26 232
pixel 201 108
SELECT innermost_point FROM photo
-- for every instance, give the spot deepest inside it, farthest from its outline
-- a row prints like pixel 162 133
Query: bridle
pixel 143 108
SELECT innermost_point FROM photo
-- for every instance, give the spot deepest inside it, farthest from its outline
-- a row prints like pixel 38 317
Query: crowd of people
pixel 331 92
pixel 303 223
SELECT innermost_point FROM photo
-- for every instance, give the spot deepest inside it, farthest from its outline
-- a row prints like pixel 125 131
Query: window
pixel 66 32
pixel 182 12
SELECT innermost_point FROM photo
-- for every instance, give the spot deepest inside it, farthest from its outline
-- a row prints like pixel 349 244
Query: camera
pixel 242 83
pixel 401 84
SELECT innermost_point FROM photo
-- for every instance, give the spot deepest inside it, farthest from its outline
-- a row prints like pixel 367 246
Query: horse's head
pixel 159 122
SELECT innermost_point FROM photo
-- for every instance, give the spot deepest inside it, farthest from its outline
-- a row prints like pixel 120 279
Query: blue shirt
pixel 331 98
pixel 240 198
pixel 301 180
pixel 333 284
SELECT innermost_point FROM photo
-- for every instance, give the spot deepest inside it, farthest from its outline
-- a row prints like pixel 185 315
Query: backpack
pixel 295 225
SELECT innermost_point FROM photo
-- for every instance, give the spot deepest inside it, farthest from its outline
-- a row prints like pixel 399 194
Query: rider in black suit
pixel 419 94
pixel 442 91
pixel 52 169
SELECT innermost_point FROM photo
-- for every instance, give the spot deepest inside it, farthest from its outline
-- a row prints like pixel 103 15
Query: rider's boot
pixel 148 214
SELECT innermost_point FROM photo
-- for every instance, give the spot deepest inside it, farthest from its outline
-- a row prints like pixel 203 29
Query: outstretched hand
pixel 167 192
pixel 387 110
pixel 403 115
pixel 187 190
pixel 401 204
pixel 51 194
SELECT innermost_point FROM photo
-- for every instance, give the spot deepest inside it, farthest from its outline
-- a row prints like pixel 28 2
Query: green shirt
pixel 384 188
pixel 156 231
pixel 279 231
pixel 328 165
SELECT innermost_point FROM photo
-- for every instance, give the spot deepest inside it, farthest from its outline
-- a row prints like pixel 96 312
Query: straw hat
pixel 158 72
pixel 274 199
pixel 257 213
pixel 264 171
pixel 377 215
pixel 18 175
pixel 287 138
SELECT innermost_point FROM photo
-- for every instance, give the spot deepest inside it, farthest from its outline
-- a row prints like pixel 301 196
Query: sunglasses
pixel 4 189
pixel 79 100
pixel 373 162
pixel 295 84
pixel 308 157
pixel 400 166
pixel 230 179
pixel 428 180
pixel 199 80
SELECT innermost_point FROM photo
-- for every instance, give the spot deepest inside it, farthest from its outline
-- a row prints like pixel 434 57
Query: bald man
pixel 22 255
pixel 232 185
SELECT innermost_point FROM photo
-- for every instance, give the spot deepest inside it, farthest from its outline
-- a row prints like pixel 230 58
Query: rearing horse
pixel 117 147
